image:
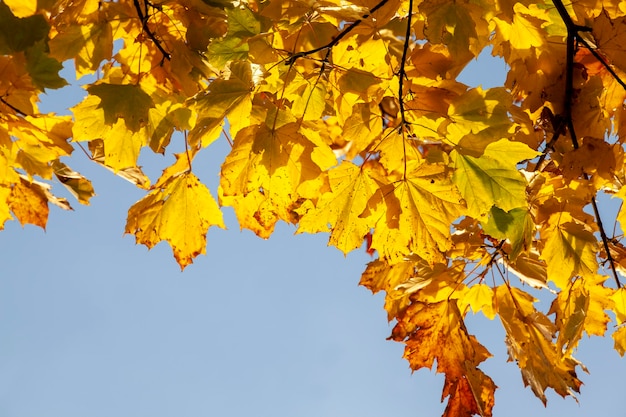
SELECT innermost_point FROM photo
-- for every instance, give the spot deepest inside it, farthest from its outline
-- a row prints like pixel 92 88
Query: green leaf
pixel 19 34
pixel 227 49
pixel 517 226
pixel 493 178
pixel 242 23
pixel 126 101
pixel 43 70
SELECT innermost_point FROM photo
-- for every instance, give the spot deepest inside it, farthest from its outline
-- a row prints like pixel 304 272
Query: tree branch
pixel 143 16
pixel 335 40
pixel 601 59
pixel 572 37
pixel 402 72
pixel 12 107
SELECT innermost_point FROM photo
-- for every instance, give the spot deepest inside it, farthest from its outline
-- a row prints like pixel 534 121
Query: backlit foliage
pixel 346 117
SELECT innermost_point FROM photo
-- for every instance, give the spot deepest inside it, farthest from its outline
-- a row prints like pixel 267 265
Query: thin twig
pixel 401 77
pixel 402 72
pixel 144 23
pixel 336 40
pixel 12 107
pixel 601 59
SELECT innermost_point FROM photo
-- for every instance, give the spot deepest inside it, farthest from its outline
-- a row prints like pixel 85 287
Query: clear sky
pixel 92 325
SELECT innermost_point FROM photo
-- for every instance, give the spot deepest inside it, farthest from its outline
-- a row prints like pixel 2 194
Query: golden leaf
pixel 179 212
pixel 340 209
pixel 570 249
pixel 29 204
pixel 414 215
pixel 529 335
pixel 425 328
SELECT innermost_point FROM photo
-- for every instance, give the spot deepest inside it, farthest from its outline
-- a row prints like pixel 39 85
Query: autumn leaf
pixel 340 209
pixel 78 185
pixel 415 214
pixel 425 328
pixel 29 204
pixel 570 249
pixel 492 179
pixel 529 335
pixel 581 307
pixel 179 212
pixel 22 8
pixel 517 226
pixel 352 119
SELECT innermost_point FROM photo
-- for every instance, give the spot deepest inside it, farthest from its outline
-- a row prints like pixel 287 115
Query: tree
pixel 347 118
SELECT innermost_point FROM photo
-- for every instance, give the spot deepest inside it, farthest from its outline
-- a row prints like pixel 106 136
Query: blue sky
pixel 93 325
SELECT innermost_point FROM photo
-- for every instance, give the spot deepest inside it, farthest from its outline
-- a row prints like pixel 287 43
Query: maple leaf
pixel 78 185
pixel 350 119
pixel 492 179
pixel 570 249
pixel 415 214
pixel 263 172
pixel 340 209
pixel 22 8
pixel 180 212
pixel 29 204
pixel 424 328
pixel 88 44
pixel 517 226
pixel 529 335
pixel 581 307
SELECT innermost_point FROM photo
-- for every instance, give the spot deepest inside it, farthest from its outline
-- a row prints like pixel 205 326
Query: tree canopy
pixel 347 117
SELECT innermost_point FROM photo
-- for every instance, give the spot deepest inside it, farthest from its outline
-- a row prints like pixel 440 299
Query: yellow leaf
pixel 530 269
pixel 180 212
pixel 415 214
pixel 22 8
pixel 460 26
pixel 133 174
pixel 425 328
pixel 480 298
pixel 570 249
pixel 79 186
pixel 87 44
pixel 529 335
pixel 593 157
pixel 262 175
pixel 619 304
pixel 5 210
pixel 492 179
pixel 578 308
pixel 29 204
pixel 311 103
pixel 619 340
pixel 526 30
pixel 226 95
pixel 121 124
pixel 340 209
pixel 381 276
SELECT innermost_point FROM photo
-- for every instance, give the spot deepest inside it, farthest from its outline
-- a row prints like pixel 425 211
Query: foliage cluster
pixel 346 117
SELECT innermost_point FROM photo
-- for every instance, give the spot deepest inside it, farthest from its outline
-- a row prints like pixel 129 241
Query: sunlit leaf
pixel 180 212
pixel 493 178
